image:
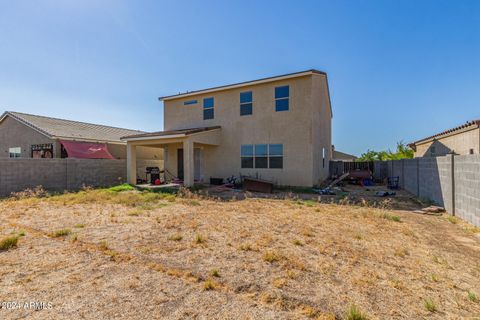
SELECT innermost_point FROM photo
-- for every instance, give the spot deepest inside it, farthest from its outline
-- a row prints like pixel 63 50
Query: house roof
pixel 468 124
pixel 338 155
pixel 243 84
pixel 170 133
pixel 70 130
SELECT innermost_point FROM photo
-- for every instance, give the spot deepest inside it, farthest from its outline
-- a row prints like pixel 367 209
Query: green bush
pixel 122 187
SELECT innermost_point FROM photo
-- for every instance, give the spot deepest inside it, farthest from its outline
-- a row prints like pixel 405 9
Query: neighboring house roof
pixel 468 125
pixel 70 130
pixel 171 133
pixel 337 155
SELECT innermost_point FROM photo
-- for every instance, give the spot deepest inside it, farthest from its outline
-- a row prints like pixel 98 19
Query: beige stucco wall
pixel 119 151
pixel 15 134
pixel 303 130
pixel 460 143
pixel 321 126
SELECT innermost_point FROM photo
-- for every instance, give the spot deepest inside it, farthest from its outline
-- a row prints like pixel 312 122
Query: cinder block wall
pixel 467 188
pixel 59 174
pixel 410 175
pixel 453 185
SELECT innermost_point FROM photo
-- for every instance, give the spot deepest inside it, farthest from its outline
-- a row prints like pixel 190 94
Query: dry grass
pixel 192 257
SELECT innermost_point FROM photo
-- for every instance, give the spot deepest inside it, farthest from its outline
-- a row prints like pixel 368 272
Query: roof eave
pixel 242 84
pixel 170 136
pixel 470 126
pixel 158 137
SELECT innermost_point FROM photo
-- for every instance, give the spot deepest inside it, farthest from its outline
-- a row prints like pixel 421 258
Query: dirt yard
pixel 103 254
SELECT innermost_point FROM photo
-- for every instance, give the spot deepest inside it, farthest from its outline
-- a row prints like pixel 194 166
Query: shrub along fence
pixel 451 181
pixel 63 174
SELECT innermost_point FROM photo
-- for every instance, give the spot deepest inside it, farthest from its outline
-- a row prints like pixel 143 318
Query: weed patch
pixel 215 273
pixel 8 243
pixel 430 305
pixel 61 233
pixel 199 239
pixel 175 237
pixel 452 219
pixel 271 257
pixel 209 285
pixel 354 313
pixel 472 296
pixel 391 217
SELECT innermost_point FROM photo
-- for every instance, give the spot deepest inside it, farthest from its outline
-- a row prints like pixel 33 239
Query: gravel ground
pixel 138 255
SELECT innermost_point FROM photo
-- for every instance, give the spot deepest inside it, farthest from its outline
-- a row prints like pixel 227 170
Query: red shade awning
pixel 86 150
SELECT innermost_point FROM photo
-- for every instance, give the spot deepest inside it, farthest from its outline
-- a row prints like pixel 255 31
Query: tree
pixel 403 152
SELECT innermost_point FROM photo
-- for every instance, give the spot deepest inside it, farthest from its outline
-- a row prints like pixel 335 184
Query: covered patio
pixel 182 148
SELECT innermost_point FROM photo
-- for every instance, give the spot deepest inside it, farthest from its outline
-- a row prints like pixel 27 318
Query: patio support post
pixel 188 163
pixel 131 164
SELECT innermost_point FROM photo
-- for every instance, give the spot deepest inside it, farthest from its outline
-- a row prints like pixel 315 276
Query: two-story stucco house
pixel 276 129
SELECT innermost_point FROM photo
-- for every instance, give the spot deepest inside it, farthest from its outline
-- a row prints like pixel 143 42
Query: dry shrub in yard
pixel 61 233
pixel 271 256
pixel 175 237
pixel 37 192
pixel 209 285
pixel 199 239
pixel 391 217
pixel 8 243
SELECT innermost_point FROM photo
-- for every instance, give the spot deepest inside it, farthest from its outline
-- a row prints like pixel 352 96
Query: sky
pixel 397 70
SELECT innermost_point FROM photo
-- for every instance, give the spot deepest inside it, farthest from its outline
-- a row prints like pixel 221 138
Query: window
pixel 472 151
pixel 246 103
pixel 186 103
pixel 15 152
pixel 275 153
pixel 208 104
pixel 323 157
pixel 262 156
pixel 247 155
pixel 281 98
pixel 44 150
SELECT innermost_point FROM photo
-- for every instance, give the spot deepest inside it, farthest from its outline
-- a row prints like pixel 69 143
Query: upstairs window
pixel 208 104
pixel 15 152
pixel 246 103
pixel 282 95
pixel 186 103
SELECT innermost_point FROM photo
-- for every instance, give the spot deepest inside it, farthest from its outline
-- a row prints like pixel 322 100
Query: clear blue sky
pixel 398 70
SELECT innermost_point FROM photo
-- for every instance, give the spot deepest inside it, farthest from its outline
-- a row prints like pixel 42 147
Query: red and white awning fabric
pixel 86 150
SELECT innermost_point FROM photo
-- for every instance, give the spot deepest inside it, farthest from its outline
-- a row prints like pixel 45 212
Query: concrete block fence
pixel 451 181
pixel 64 174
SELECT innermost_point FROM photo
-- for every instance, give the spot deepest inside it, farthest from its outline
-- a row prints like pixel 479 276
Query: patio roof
pixel 169 134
